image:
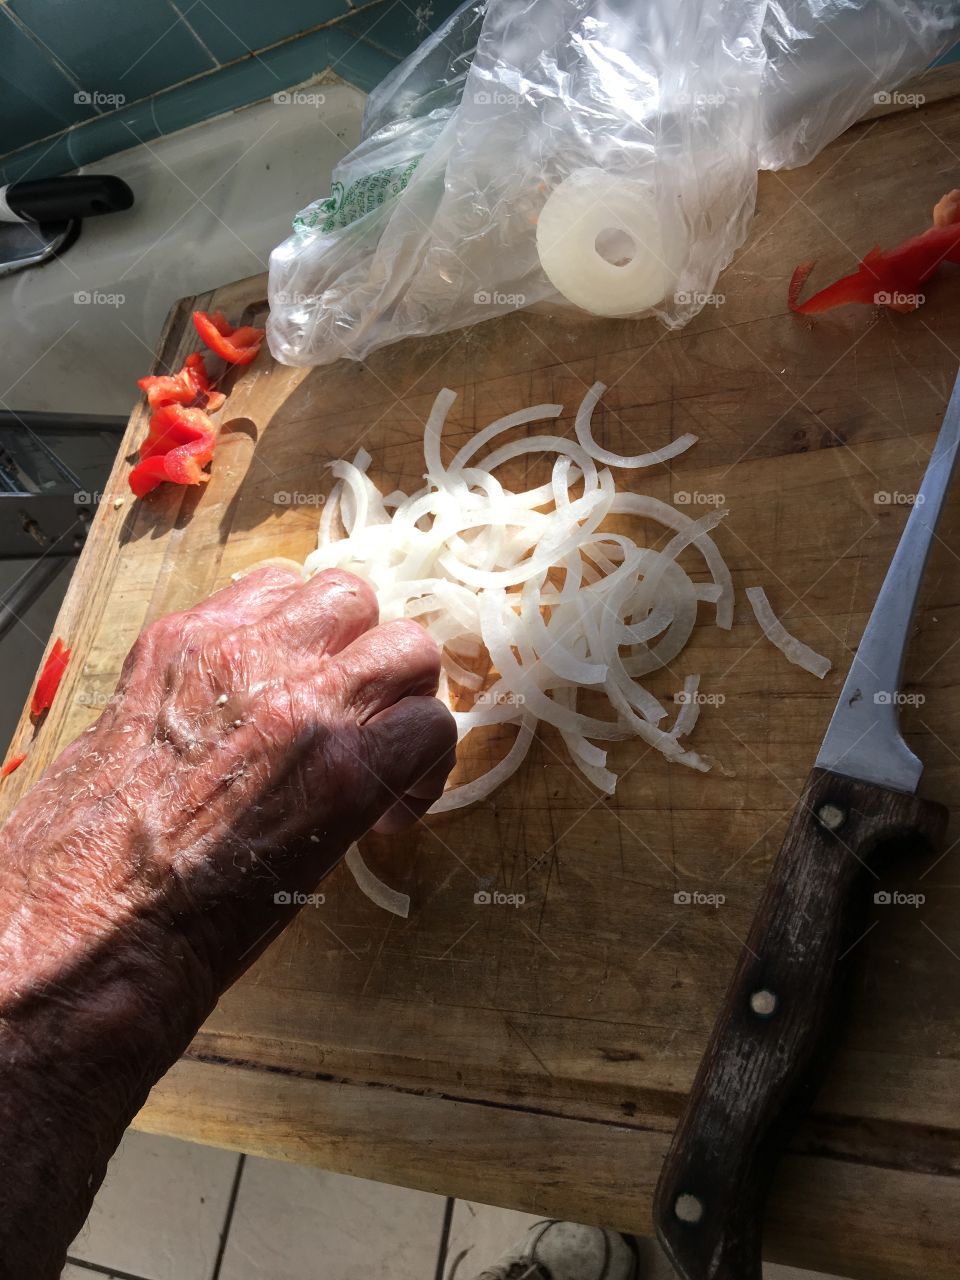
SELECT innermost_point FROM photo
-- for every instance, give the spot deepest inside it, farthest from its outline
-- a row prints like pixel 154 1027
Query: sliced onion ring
pixel 374 888
pixel 794 650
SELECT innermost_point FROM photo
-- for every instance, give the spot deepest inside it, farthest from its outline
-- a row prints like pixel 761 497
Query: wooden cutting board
pixel 537 1056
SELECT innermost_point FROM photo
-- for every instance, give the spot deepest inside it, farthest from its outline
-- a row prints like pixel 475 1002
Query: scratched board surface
pixel 536 1053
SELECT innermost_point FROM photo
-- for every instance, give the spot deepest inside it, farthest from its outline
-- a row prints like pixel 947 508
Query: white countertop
pixel 211 202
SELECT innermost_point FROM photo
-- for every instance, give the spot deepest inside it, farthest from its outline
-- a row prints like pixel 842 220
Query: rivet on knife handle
pixel 761 1065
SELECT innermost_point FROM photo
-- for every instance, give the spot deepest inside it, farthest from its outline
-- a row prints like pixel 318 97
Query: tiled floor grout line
pixel 444 1237
pixel 228 1218
pixel 101 1270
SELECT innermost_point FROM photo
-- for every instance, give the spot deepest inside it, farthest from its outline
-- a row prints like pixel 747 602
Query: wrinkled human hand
pixel 291 700
pixel 250 740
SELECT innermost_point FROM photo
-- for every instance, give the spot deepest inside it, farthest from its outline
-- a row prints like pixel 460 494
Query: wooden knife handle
pixel 762 1064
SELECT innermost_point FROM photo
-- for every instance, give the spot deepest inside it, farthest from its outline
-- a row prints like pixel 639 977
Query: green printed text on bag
pixel 346 205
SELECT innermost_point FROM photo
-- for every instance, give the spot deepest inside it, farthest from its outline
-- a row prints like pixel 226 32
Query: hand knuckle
pixel 414 637
pixel 274 575
pixel 166 630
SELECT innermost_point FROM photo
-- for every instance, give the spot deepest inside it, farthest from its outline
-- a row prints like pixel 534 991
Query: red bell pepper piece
pixel 13 763
pixel 889 278
pixel 190 387
pixel 174 425
pixel 236 346
pixel 50 677
pixel 179 444
pixel 183 465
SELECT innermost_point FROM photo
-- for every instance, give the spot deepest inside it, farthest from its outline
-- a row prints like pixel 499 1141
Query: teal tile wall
pixel 115 47
pixel 230 30
pixel 82 79
pixel 35 95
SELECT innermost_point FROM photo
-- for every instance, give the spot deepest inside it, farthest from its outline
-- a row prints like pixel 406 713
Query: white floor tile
pixel 70 1272
pixel 297 1223
pixel 160 1211
pixel 480 1234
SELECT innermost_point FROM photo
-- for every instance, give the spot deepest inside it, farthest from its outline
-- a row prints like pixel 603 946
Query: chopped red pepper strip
pixel 183 465
pixel 174 425
pixel 13 763
pixel 181 438
pixel 179 444
pixel 190 387
pixel 886 277
pixel 50 677
pixel 236 346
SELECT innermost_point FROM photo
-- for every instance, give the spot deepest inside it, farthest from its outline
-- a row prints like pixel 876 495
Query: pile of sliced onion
pixel 531 598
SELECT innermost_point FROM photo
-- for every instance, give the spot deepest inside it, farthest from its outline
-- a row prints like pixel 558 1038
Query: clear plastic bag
pixel 600 155
pixel 828 61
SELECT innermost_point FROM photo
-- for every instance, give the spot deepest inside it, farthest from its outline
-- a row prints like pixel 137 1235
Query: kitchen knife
pixel 769 1045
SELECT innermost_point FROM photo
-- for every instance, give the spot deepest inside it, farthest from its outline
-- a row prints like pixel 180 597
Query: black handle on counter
pixel 63 199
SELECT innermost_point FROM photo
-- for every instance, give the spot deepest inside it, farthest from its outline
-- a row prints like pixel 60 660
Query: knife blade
pixel 770 1043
